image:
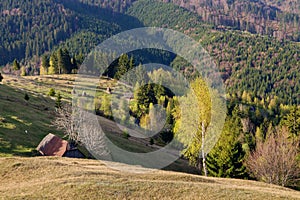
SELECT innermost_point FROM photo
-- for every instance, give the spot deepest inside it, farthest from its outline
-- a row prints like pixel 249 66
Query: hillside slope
pixel 48 178
pixel 31 28
pixel 276 18
pixel 260 65
pixel 23 123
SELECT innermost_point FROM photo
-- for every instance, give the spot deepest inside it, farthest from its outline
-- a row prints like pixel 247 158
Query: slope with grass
pixel 61 178
pixel 34 116
pixel 23 123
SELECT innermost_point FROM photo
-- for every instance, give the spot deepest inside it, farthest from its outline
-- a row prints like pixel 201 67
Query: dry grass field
pixel 62 178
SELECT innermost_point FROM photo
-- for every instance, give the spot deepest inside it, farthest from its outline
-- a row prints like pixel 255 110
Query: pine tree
pixel 123 66
pixel 58 100
pixel 64 61
pixel 26 97
pixel 227 157
pixel 292 121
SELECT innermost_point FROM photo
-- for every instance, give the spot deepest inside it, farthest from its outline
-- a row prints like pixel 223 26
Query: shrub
pixel 126 135
pixel 275 160
pixel 52 92
pixel 151 141
pixel 26 97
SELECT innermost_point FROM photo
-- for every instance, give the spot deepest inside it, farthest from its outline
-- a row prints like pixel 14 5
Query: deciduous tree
pixel 275 160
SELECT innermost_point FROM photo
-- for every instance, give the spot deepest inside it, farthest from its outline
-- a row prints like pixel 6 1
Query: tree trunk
pixel 202 150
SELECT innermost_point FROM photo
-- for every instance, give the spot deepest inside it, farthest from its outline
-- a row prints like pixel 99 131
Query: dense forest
pixel 279 19
pixel 260 65
pixel 31 28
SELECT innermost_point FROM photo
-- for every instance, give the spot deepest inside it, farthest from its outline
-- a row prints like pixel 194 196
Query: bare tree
pixel 275 160
pixel 81 127
pixel 68 121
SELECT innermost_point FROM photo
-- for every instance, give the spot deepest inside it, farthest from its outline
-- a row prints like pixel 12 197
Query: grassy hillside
pixel 35 116
pixel 17 116
pixel 48 178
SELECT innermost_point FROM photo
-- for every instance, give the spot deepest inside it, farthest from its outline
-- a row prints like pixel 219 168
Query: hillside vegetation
pixel 279 19
pixel 45 178
pixel 23 123
pixel 31 28
pixel 243 59
pixel 262 66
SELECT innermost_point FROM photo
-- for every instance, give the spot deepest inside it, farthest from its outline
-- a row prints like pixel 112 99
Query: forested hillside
pixel 31 28
pixel 259 65
pixel 279 18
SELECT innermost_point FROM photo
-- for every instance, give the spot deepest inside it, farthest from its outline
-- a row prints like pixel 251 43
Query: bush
pixel 151 141
pixel 51 92
pixel 126 135
pixel 275 160
pixel 58 101
pixel 26 97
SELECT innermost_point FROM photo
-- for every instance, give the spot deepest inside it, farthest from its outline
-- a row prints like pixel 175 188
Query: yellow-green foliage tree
pixel 193 122
pixel 106 105
pixel 53 69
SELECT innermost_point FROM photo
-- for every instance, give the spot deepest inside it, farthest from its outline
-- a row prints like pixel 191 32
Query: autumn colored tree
pixel 195 120
pixel 275 160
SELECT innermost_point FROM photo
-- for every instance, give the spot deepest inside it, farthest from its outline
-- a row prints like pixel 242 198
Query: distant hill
pixel 31 28
pixel 277 18
pixel 260 65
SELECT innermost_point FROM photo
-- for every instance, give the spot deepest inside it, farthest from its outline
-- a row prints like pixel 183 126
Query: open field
pixel 62 178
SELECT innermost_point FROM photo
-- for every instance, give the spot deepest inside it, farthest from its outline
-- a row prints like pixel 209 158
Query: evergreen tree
pixel 292 121
pixel 58 100
pixel 51 92
pixel 64 61
pixel 122 66
pixel 227 157
pixel 26 97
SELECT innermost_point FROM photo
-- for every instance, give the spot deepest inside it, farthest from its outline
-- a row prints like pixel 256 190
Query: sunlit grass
pixel 62 178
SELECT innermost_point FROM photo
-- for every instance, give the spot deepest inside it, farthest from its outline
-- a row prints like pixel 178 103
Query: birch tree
pixel 193 122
